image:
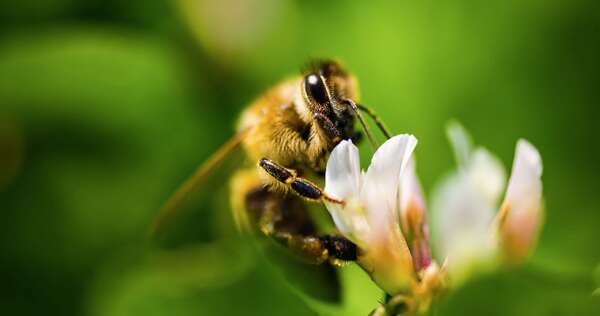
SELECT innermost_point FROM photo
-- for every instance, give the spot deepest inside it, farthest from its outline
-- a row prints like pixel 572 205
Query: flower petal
pixel 520 216
pixel 342 181
pixel 460 141
pixel 486 174
pixel 387 256
pixel 381 181
pixel 461 221
pixel 463 206
pixel 413 217
pixel 342 175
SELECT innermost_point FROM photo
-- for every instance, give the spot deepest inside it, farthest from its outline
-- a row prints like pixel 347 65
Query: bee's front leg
pixel 300 186
pixel 328 126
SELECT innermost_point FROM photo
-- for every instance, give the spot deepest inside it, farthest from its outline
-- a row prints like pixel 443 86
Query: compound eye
pixel 315 88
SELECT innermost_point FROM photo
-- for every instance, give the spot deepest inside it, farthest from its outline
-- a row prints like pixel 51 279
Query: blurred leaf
pixel 359 294
pixel 109 128
pixel 222 278
pixel 318 282
pixel 11 150
pixel 525 291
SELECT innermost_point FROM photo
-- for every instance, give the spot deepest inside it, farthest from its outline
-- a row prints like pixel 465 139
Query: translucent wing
pixel 315 283
pixel 197 180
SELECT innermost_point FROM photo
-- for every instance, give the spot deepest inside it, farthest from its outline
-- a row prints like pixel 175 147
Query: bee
pixel 286 136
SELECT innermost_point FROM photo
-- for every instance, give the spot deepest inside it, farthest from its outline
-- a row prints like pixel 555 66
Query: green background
pixel 106 106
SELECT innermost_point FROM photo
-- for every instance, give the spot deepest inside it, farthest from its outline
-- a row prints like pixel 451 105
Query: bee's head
pixel 326 88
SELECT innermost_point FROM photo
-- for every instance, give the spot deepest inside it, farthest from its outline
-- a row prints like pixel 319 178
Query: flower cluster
pixel 384 213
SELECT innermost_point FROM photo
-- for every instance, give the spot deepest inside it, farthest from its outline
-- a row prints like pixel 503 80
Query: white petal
pixel 525 180
pixel 460 141
pixel 342 181
pixel 351 221
pixel 484 169
pixel 486 174
pixel 522 209
pixel 342 175
pixel 381 181
pixel 387 256
pixel 461 217
pixel 463 206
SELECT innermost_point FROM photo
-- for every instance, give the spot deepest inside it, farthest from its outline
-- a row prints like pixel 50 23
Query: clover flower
pixel 472 231
pixel 378 205
pixel 384 213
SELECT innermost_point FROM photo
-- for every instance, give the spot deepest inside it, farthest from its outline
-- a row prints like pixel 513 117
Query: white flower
pixel 383 211
pixel 371 213
pixel 469 231
pixel 464 205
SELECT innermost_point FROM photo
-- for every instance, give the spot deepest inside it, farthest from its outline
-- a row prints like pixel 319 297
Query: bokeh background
pixel 106 106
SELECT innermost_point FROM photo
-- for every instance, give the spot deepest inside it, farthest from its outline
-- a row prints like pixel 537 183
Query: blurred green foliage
pixel 106 106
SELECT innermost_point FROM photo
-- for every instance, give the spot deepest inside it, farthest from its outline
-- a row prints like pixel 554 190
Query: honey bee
pixel 286 136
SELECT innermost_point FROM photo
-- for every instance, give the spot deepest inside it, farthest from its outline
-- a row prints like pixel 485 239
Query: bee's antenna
pixel 354 108
pixel 375 118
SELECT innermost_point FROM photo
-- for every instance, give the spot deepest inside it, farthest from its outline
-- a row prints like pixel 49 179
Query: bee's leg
pixel 317 249
pixel 340 247
pixel 301 186
pixel 328 126
pixel 285 220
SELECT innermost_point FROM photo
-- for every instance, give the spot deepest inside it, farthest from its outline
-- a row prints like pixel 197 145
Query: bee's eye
pixel 315 88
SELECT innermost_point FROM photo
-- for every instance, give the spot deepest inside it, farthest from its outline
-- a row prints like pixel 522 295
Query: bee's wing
pixel 197 180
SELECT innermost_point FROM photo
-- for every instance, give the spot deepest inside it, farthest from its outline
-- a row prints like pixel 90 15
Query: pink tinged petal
pixel 520 216
pixel 413 217
pixel 389 263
